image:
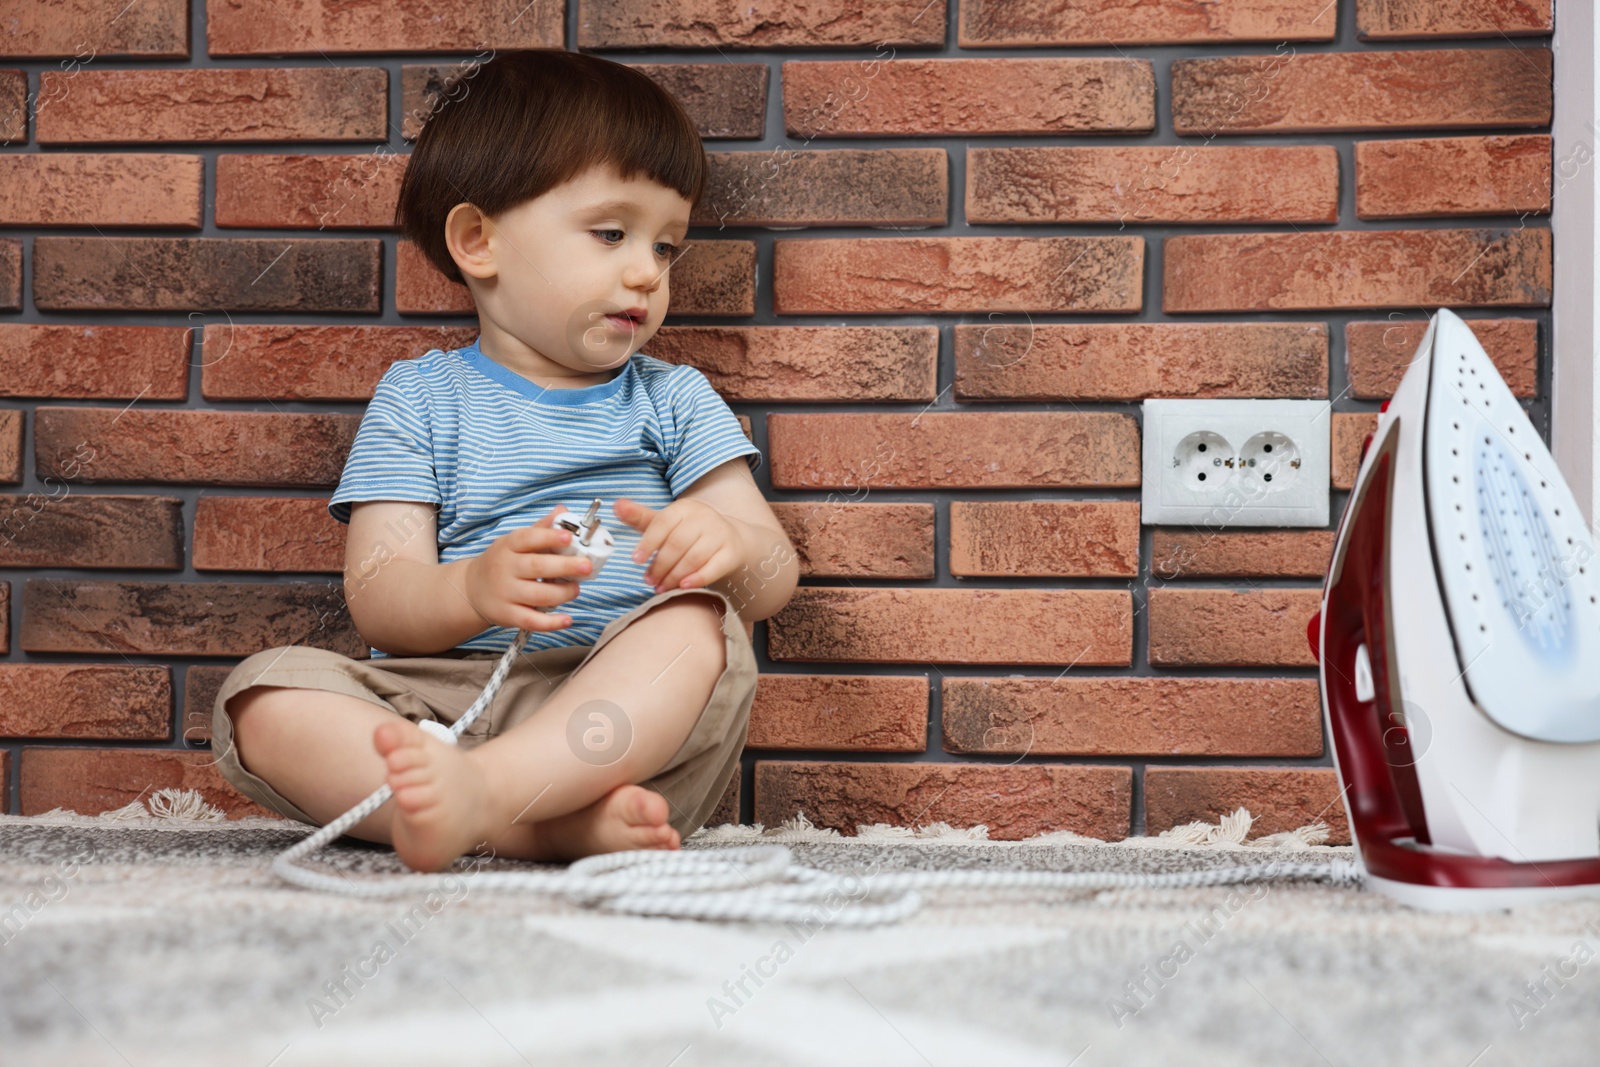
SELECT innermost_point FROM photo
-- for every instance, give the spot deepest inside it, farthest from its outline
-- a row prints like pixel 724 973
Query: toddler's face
pixel 568 265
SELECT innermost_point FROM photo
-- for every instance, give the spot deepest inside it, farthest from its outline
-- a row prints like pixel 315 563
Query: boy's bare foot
pixel 628 817
pixel 443 804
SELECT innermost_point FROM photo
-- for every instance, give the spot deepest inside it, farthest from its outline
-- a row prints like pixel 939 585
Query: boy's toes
pixel 415 798
pixel 645 807
pixel 388 736
pixel 406 758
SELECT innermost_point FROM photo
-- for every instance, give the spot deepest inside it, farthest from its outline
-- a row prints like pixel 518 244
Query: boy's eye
pixel 664 249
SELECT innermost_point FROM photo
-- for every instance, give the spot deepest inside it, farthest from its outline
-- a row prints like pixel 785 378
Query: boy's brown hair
pixel 503 132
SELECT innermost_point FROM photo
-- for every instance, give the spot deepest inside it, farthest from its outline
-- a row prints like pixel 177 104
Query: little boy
pixel 557 186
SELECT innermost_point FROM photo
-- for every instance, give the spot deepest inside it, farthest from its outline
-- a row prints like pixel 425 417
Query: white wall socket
pixel 1218 463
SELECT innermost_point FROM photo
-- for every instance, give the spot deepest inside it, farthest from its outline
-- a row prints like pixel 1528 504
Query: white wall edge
pixel 1575 437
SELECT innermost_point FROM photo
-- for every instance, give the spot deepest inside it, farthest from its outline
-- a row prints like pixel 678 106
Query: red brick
pixel 95 780
pixel 1378 353
pixel 13 107
pixel 1132 361
pixel 10 274
pixel 11 428
pixel 1013 802
pixel 1013 23
pixel 840 713
pixel 206 274
pixel 846 187
pixel 309 192
pixel 712 278
pixel 5 617
pixel 953 450
pixel 192 447
pixel 723 99
pixel 200 688
pixel 933 97
pixel 1179 183
pixel 1241 554
pixel 101 362
pixel 65 529
pixel 1349 429
pixel 715 278
pixel 421 86
pixel 273 361
pixel 86 700
pixel 419 288
pixel 80 30
pixel 272 533
pixel 87 189
pixel 310 103
pixel 828 624
pixel 1453 176
pixel 1278 798
pixel 889 275
pixel 835 539
pixel 1299 92
pixel 1389 19
pixel 1262 627
pixel 1133 716
pixel 184 618
pixel 802 363
pixel 1044 538
pixel 312 28
pixel 1357 269
pixel 657 24
pixel 727 809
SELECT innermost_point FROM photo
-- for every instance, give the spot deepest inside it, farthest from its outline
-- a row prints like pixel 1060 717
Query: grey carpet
pixel 172 944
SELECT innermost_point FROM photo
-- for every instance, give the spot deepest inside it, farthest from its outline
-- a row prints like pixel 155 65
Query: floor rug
pixel 159 936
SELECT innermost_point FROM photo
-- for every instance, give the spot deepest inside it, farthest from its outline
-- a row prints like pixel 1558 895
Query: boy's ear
pixel 466 235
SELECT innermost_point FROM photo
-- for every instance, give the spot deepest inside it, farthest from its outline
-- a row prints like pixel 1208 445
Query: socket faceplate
pixel 1219 463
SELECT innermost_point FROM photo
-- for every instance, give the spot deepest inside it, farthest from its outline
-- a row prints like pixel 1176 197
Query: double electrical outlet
pixel 1222 463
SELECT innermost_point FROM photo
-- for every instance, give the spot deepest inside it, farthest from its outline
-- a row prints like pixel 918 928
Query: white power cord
pixel 758 883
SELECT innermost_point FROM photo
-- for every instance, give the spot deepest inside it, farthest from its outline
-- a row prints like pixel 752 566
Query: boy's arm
pixel 766 579
pixel 401 598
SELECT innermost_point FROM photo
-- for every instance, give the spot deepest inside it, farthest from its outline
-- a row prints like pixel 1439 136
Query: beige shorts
pixel 441 688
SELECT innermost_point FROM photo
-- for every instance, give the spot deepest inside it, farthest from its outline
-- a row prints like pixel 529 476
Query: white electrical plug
pixel 590 540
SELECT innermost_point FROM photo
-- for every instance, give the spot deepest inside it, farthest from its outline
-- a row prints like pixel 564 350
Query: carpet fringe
pixel 1229 832
pixel 183 808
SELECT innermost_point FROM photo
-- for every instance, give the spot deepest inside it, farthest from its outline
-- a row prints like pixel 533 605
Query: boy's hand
pixel 502 583
pixel 694 543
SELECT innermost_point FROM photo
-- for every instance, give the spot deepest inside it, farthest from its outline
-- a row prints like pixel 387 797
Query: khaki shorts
pixel 441 688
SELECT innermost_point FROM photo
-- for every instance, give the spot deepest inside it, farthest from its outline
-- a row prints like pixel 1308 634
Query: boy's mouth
pixel 627 321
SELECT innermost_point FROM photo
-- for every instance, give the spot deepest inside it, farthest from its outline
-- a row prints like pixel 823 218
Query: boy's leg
pixel 315 748
pixel 307 743
pixel 342 768
pixel 654 677
pixel 658 672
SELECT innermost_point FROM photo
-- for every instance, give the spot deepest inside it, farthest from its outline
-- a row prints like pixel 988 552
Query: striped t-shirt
pixel 495 452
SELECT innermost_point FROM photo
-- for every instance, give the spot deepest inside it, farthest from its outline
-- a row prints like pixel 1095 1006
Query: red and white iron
pixel 1459 643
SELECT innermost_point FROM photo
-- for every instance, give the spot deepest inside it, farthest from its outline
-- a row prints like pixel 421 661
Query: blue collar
pixel 569 397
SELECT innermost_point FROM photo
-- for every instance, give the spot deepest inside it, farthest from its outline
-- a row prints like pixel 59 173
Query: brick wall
pixel 949 247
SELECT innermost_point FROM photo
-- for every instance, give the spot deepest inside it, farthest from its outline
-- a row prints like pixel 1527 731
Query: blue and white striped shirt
pixel 496 452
